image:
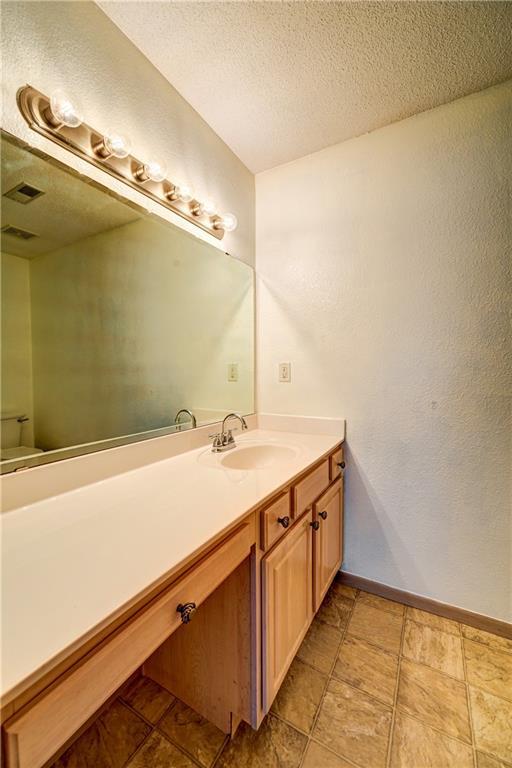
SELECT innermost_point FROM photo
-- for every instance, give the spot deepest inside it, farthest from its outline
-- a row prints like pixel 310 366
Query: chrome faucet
pixel 224 440
pixel 192 417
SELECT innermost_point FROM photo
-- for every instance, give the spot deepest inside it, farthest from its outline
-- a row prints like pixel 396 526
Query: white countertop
pixel 72 562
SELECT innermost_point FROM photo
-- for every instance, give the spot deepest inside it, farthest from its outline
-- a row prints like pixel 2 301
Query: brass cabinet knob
pixel 284 521
pixel 323 515
pixel 341 464
pixel 315 525
pixel 187 610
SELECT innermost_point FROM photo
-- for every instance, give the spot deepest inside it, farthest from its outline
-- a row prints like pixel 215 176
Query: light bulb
pixel 113 144
pixel 152 170
pixel 117 144
pixel 209 207
pixel 63 111
pixel 228 222
pixel 185 193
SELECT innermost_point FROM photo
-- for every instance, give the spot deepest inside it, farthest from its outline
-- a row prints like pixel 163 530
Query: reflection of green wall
pixel 16 353
pixel 131 325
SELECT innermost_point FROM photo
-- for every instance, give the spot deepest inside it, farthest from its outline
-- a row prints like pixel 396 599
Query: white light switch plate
pixel 232 371
pixel 285 372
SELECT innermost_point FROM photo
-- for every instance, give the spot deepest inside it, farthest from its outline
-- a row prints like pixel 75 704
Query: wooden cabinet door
pixel 287 603
pixel 327 540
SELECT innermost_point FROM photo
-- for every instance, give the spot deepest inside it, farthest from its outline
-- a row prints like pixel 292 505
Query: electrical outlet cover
pixel 285 372
pixel 232 371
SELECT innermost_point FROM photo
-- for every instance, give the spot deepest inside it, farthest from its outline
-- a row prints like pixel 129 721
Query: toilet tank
pixel 10 429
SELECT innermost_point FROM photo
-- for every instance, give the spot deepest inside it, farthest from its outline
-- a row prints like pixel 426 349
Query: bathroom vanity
pixel 199 569
pixel 217 566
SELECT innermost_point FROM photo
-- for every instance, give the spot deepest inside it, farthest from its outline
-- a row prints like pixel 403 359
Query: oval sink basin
pixel 257 456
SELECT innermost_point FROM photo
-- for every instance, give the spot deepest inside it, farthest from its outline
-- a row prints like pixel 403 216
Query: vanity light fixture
pixel 62 111
pixel 59 119
pixel 113 144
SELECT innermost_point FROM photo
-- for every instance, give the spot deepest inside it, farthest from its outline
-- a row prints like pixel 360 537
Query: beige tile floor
pixel 374 685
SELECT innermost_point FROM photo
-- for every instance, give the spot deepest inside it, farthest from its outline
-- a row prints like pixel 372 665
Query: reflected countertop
pixel 73 562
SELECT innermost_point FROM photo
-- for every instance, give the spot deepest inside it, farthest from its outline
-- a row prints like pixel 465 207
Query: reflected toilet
pixel 11 436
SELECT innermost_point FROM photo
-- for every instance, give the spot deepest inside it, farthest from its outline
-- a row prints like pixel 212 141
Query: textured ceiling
pixel 278 80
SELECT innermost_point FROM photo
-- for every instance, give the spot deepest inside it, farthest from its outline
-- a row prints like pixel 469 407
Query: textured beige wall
pixel 16 347
pixel 73 45
pixel 384 277
pixel 131 325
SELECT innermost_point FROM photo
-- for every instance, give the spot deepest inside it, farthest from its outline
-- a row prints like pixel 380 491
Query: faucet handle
pixel 217 440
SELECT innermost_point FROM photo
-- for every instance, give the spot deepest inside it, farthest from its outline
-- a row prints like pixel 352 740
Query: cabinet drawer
pixel 271 527
pixel 34 735
pixel 335 460
pixel 310 488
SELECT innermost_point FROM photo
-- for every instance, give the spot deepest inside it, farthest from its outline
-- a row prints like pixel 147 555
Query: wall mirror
pixel 112 320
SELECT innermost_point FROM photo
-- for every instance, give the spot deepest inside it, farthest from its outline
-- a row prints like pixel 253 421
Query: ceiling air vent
pixel 21 234
pixel 23 193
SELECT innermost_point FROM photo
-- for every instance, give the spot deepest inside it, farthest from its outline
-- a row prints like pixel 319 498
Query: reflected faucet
pixel 224 440
pixel 192 417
